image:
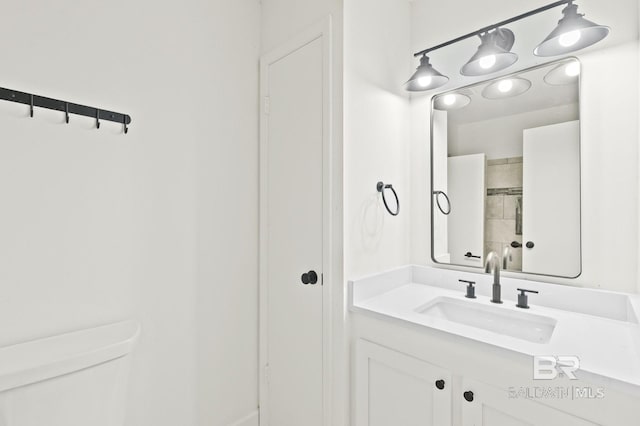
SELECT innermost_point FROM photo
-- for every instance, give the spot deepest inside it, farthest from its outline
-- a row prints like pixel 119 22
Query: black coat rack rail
pixel 64 106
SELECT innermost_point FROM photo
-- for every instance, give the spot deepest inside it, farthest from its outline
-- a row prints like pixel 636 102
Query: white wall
pixel 227 211
pixel 609 102
pixel 376 135
pixel 502 137
pixel 609 148
pixel 376 144
pixel 97 226
pixel 282 19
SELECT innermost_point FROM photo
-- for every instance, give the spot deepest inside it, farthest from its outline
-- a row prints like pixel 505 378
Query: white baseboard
pixel 250 420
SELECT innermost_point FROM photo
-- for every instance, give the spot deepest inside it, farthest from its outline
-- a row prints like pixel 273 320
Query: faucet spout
pixel 492 265
pixel 506 257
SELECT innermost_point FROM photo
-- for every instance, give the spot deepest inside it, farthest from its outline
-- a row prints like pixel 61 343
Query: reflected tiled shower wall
pixel 503 210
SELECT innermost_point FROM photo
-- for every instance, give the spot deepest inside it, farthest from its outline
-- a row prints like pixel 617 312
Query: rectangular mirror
pixel 505 172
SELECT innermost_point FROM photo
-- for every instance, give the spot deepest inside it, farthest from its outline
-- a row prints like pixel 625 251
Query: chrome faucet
pixel 506 257
pixel 493 266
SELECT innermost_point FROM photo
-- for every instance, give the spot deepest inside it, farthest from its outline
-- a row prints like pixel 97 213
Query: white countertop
pixel 599 327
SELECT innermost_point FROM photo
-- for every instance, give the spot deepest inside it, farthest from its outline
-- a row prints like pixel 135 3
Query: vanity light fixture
pixel 426 77
pixel 563 74
pixel 451 101
pixel 572 33
pixel 506 88
pixel 493 53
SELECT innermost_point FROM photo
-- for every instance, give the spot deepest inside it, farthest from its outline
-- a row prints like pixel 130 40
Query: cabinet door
pixel 491 406
pixel 392 388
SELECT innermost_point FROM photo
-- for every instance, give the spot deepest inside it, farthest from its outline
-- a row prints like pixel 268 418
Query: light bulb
pixel 505 85
pixel 572 70
pixel 449 100
pixel 487 62
pixel 424 81
pixel 569 38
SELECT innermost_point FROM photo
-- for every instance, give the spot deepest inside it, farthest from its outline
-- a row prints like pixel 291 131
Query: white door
pixel 293 146
pixel 392 388
pixel 466 182
pixel 484 405
pixel 551 200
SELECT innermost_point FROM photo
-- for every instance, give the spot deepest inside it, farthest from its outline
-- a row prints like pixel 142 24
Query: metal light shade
pixel 563 74
pixel 506 88
pixel 425 77
pixel 572 33
pixel 493 54
pixel 451 101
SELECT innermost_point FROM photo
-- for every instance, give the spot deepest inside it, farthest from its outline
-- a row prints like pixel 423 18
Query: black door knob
pixel 530 244
pixel 440 384
pixel 468 395
pixel 309 277
pixel 515 244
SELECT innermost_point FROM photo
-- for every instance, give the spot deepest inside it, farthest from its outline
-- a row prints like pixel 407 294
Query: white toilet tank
pixel 74 379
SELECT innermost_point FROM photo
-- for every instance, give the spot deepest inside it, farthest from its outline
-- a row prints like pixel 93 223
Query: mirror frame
pixel 431 193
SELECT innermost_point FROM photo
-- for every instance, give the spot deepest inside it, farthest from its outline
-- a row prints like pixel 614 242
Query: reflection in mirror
pixel 505 159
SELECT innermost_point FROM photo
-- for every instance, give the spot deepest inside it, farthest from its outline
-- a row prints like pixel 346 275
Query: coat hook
pixel 66 112
pixel 31 105
pixel 97 118
pixel 124 122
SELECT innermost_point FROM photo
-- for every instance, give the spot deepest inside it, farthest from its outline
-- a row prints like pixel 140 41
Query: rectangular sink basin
pixel 521 325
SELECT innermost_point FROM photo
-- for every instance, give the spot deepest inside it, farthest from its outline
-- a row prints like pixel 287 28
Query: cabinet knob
pixel 468 395
pixel 310 277
pixel 530 244
pixel 440 384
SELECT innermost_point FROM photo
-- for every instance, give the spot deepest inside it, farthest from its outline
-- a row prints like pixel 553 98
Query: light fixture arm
pixel 504 38
pixel 571 11
pixel 494 26
pixel 501 37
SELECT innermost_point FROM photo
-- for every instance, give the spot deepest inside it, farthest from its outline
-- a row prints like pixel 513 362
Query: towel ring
pixel 437 194
pixel 381 187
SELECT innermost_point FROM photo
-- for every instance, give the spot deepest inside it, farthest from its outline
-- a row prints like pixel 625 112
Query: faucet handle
pixel 471 290
pixel 523 301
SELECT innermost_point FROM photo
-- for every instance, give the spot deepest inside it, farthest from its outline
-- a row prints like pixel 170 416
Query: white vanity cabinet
pixel 396 389
pixel 491 406
pixel 393 388
pixel 425 354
